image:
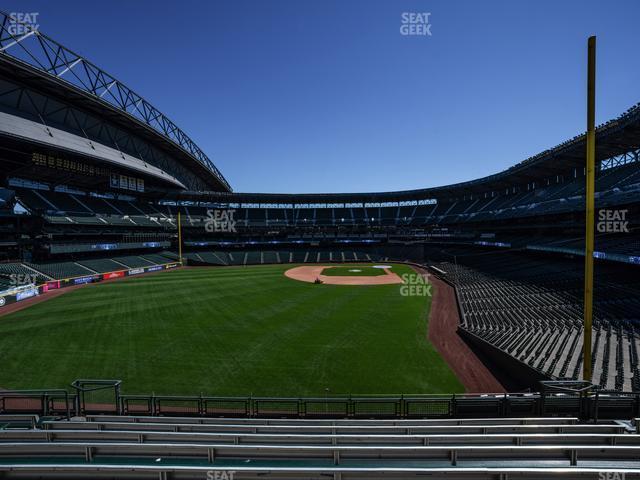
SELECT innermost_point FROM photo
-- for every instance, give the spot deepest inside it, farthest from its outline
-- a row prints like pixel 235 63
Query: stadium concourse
pixel 96 184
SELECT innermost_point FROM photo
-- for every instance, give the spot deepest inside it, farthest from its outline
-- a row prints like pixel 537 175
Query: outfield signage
pixel 104 246
pixel 22 293
pixel 7 299
pixel 26 293
pixel 485 243
pixel 615 257
pixel 110 275
pixel 87 279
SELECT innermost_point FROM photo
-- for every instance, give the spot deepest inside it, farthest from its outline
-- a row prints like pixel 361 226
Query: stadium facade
pixel 94 176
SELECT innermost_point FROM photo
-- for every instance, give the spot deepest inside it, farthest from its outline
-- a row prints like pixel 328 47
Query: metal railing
pixel 586 405
pixel 55 402
pixel 314 455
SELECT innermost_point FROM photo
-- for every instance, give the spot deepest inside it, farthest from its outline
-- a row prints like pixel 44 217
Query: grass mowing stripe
pixel 227 331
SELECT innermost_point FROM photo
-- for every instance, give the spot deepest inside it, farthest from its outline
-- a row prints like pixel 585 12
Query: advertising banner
pixel 104 246
pixel 6 300
pixel 87 279
pixel 26 293
pixel 110 275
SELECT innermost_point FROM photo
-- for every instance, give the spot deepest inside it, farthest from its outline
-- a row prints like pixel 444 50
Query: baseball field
pixel 228 331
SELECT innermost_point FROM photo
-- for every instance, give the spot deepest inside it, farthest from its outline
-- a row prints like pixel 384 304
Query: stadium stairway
pixel 186 448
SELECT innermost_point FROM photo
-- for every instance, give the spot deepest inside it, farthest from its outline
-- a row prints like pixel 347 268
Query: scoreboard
pixel 117 180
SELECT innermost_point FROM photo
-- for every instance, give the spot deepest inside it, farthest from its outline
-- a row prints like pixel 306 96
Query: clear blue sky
pixel 327 96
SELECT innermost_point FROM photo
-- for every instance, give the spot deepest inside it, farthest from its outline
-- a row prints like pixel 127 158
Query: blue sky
pixel 328 96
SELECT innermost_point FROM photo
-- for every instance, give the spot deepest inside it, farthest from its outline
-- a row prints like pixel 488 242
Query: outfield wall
pixel 18 294
pixel 30 291
pixel 521 376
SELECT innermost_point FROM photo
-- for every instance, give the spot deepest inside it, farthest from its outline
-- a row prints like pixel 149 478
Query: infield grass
pixel 227 331
pixel 354 271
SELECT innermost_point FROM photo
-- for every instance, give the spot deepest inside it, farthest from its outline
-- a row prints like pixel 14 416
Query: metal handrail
pixel 44 395
pixel 586 404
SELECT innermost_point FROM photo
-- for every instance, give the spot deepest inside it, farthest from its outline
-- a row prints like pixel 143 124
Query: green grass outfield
pixel 227 331
pixel 345 271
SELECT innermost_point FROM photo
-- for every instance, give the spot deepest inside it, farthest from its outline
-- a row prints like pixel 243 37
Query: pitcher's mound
pixel 310 273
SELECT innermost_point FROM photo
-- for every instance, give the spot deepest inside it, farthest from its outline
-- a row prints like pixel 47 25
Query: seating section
pixel 11 271
pixel 258 257
pixel 60 270
pixel 253 258
pixel 621 244
pixel 617 185
pixel 237 258
pixel 102 265
pixel 191 448
pixel 531 308
pixel 271 257
pixel 299 256
pixel 133 261
pixel 156 259
pixel 45 271
pixel 76 209
pixel 324 256
pixel 33 199
pixel 207 257
pixel 6 282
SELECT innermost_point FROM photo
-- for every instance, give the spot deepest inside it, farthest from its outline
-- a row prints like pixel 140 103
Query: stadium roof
pixel 34 57
pixel 613 138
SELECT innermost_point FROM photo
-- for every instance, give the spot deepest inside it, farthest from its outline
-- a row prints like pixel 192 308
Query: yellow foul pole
pixel 179 238
pixel 590 207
